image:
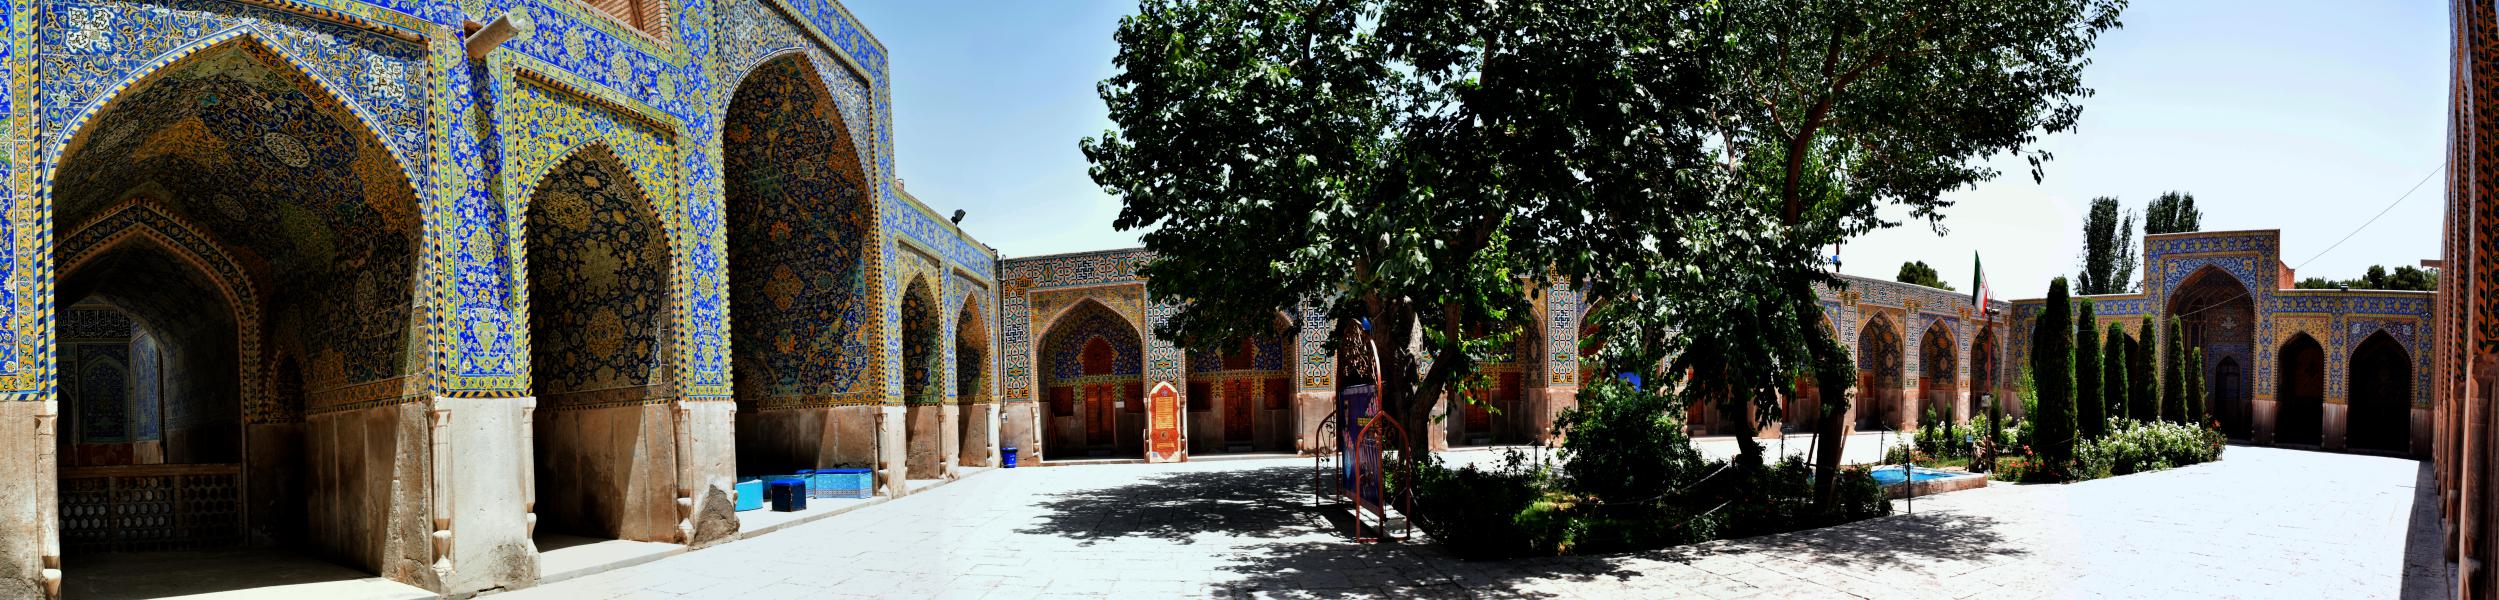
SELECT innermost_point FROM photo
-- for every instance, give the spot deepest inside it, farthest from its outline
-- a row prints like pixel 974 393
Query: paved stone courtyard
pixel 2263 523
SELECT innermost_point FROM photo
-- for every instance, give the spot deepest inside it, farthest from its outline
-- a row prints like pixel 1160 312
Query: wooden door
pixel 1099 415
pixel 1478 415
pixel 1237 405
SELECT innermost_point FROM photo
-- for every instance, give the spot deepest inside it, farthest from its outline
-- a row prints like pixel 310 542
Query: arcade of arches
pixel 318 282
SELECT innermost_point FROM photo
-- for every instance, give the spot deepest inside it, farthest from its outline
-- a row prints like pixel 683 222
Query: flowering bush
pixel 2137 446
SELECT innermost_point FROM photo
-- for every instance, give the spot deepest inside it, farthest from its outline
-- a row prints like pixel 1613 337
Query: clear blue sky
pixel 2301 115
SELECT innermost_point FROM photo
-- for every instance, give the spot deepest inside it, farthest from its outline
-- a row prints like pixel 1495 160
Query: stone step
pixel 1383 520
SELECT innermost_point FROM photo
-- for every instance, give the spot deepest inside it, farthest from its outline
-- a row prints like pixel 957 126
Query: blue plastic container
pixel 789 494
pixel 842 483
pixel 750 494
pixel 1007 456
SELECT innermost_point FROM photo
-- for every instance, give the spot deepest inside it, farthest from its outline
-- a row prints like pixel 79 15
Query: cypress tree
pixel 2139 377
pixel 2090 401
pixel 2173 376
pixel 2113 370
pixel 2196 414
pixel 2052 374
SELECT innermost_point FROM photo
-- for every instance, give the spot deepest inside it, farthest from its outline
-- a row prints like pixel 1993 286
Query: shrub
pixel 1487 513
pixel 2137 446
pixel 1623 444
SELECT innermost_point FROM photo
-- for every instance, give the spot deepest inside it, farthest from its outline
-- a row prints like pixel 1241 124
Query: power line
pixel 2425 179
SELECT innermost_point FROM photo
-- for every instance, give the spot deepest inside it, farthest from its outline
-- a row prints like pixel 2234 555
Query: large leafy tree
pixel 1418 164
pixel 1832 108
pixel 1419 168
pixel 2108 264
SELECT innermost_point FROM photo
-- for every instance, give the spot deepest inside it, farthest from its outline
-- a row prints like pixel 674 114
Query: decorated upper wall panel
pixel 837 26
pixel 604 53
pixel 1075 270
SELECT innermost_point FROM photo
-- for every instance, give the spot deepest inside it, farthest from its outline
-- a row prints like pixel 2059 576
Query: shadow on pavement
pixel 1294 550
pixel 1257 503
pixel 1922 538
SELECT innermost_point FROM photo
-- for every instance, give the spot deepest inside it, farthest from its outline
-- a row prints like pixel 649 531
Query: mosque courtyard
pixel 2262 523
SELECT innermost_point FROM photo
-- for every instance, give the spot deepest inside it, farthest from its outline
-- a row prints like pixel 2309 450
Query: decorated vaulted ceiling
pixel 236 143
pixel 248 148
pixel 799 228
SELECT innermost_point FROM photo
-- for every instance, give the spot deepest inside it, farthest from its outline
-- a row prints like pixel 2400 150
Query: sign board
pixel 1163 424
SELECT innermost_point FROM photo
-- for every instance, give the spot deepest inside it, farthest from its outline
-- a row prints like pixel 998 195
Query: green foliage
pixel 2173 212
pixel 2113 371
pixel 2090 401
pixel 2173 375
pixel 2196 412
pixel 1525 507
pixel 1916 272
pixel 1486 513
pixel 2405 277
pixel 1623 445
pixel 2138 446
pixel 1410 164
pixel 2024 428
pixel 2140 353
pixel 2108 264
pixel 2052 371
pixel 1414 164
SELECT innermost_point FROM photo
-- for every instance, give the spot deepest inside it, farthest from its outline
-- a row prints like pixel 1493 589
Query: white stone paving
pixel 2264 523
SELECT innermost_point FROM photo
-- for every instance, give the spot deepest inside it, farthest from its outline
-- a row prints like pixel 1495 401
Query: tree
pixel 1418 167
pixel 2413 278
pixel 2052 374
pixel 1916 272
pixel 2173 212
pixel 2196 414
pixel 2113 370
pixel 1832 108
pixel 2377 278
pixel 2173 377
pixel 2140 353
pixel 2090 401
pixel 2108 264
pixel 1413 167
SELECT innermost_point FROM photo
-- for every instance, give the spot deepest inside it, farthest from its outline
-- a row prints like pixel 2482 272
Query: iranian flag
pixel 1978 283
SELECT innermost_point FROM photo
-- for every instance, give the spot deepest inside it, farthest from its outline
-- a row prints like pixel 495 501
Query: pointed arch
pixel 139 221
pixel 607 328
pixel 81 125
pixel 1880 373
pixel 2379 414
pixel 654 196
pixel 1939 371
pixel 2299 397
pixel 805 63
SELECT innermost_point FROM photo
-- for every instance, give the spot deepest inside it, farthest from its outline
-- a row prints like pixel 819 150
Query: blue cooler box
pixel 750 494
pixel 789 494
pixel 842 483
